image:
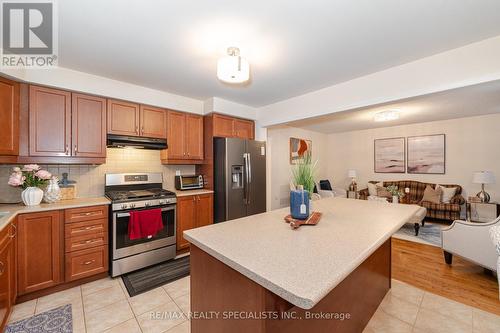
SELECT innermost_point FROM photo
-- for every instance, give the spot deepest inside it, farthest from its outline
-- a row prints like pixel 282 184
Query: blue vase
pixel 299 204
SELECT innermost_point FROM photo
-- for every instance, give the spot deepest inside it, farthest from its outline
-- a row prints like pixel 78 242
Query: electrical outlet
pixel 177 172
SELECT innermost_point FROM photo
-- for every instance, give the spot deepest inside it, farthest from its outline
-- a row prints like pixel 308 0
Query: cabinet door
pixel 194 137
pixel 153 122
pixel 13 261
pixel 176 135
pixel 204 210
pixel 40 251
pixel 49 122
pixel 186 218
pixel 223 126
pixel 123 118
pixel 6 269
pixel 88 116
pixel 244 129
pixel 9 114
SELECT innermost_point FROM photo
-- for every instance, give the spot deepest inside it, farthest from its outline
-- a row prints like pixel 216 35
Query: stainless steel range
pixel 139 191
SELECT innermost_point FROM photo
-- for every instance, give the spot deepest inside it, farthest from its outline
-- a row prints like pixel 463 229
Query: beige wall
pixel 471 144
pixel 90 178
pixel 279 169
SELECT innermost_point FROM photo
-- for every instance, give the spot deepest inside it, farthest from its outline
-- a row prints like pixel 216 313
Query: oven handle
pixel 128 214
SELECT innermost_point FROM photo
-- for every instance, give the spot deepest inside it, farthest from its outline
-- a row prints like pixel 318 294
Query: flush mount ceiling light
pixel 386 115
pixel 233 68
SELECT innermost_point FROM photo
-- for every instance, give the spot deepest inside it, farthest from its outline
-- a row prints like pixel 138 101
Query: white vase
pixel 395 199
pixel 32 196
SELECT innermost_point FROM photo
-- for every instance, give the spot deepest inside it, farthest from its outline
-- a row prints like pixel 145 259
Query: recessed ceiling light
pixel 386 115
pixel 233 68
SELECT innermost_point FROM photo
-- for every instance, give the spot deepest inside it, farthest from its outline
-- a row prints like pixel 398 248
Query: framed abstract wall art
pixel 299 147
pixel 427 154
pixel 389 155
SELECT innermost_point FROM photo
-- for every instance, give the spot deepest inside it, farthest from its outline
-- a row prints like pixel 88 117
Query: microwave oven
pixel 188 182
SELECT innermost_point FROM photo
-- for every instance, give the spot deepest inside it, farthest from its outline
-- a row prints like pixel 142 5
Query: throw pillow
pixel 383 193
pixel 448 193
pixel 432 195
pixel 372 188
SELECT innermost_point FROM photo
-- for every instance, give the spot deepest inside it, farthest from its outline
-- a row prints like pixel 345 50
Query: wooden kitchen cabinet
pixel 7 272
pixel 192 212
pixel 153 122
pixel 244 129
pixel 123 118
pixel 88 117
pixel 184 138
pixel 223 126
pixel 40 247
pixel 229 127
pixel 49 122
pixel 9 114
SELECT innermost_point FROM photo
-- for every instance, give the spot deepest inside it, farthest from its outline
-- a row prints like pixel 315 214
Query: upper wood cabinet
pixel 229 127
pixel 184 139
pixel 66 124
pixel 40 246
pixel 223 126
pixel 9 115
pixel 132 119
pixel 153 122
pixel 123 118
pixel 49 122
pixel 88 116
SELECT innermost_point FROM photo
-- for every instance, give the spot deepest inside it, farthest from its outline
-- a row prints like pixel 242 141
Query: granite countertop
pixel 9 212
pixel 187 193
pixel 304 265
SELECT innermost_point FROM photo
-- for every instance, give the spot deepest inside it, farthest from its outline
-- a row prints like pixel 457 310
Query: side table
pixel 482 211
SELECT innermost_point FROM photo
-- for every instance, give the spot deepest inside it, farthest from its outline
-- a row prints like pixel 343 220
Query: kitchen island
pixel 256 274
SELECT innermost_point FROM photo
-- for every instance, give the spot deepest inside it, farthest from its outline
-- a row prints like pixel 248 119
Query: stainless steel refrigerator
pixel 239 178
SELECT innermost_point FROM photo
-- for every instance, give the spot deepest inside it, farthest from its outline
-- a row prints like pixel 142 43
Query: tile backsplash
pixel 90 178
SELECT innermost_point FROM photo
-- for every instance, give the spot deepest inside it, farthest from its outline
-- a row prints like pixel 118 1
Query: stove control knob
pixel 163 202
pixel 147 204
pixel 132 205
pixel 124 206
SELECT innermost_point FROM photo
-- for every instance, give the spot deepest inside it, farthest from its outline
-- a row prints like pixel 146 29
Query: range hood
pixel 123 141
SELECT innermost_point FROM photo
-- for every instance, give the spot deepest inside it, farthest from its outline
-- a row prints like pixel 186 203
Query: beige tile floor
pixel 104 306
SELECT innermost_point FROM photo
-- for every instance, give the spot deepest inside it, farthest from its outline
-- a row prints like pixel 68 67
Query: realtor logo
pixel 29 36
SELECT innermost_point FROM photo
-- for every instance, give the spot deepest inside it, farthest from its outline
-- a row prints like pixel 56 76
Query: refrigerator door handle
pixel 249 176
pixel 245 179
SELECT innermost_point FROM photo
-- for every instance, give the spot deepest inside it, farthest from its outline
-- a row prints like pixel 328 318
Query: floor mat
pixel 58 320
pixel 430 233
pixel 149 278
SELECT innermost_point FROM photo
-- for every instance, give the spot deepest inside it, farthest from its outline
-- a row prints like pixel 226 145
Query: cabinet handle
pixel 137 130
pixel 89 262
pixel 2 268
pixel 75 149
pixel 184 154
pixel 88 214
pixel 142 129
pixel 194 198
pixel 66 152
pixel 14 232
pixel 89 241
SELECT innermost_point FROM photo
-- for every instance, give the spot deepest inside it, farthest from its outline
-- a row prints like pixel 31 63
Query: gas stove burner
pixel 139 194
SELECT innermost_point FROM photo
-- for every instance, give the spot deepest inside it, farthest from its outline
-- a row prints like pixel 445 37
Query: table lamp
pixel 483 177
pixel 352 174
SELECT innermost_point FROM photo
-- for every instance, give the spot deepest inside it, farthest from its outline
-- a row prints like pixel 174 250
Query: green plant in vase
pixel 303 173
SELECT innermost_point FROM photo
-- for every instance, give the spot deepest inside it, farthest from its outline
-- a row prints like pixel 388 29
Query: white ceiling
pixel 470 101
pixel 294 47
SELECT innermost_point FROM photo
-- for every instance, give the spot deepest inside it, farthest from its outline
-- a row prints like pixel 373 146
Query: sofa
pixel 443 211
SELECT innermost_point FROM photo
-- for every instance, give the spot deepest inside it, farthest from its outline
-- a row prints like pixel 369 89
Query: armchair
pixel 470 241
pixel 331 192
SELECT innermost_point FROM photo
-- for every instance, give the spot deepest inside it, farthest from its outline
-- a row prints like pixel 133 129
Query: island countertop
pixel 302 266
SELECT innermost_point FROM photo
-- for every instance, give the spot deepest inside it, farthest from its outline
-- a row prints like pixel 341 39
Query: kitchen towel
pixel 144 223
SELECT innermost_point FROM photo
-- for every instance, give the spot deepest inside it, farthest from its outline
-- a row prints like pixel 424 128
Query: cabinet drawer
pixel 80 264
pixel 86 241
pixel 85 228
pixel 85 214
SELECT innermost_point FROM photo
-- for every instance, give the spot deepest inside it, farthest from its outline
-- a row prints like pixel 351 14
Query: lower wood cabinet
pixel 40 246
pixel 7 274
pixel 84 263
pixel 192 212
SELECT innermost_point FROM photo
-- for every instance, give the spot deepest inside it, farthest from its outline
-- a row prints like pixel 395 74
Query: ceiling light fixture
pixel 386 115
pixel 233 68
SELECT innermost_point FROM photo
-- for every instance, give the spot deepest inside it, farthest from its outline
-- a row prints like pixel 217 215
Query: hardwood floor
pixel 423 266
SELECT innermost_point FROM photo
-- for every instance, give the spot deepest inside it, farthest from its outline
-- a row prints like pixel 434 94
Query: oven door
pixel 123 246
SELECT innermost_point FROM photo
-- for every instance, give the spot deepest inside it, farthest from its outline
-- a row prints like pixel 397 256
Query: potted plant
pixel 31 178
pixel 303 173
pixel 395 192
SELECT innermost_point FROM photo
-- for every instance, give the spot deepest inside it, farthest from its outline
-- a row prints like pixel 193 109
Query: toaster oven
pixel 188 182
